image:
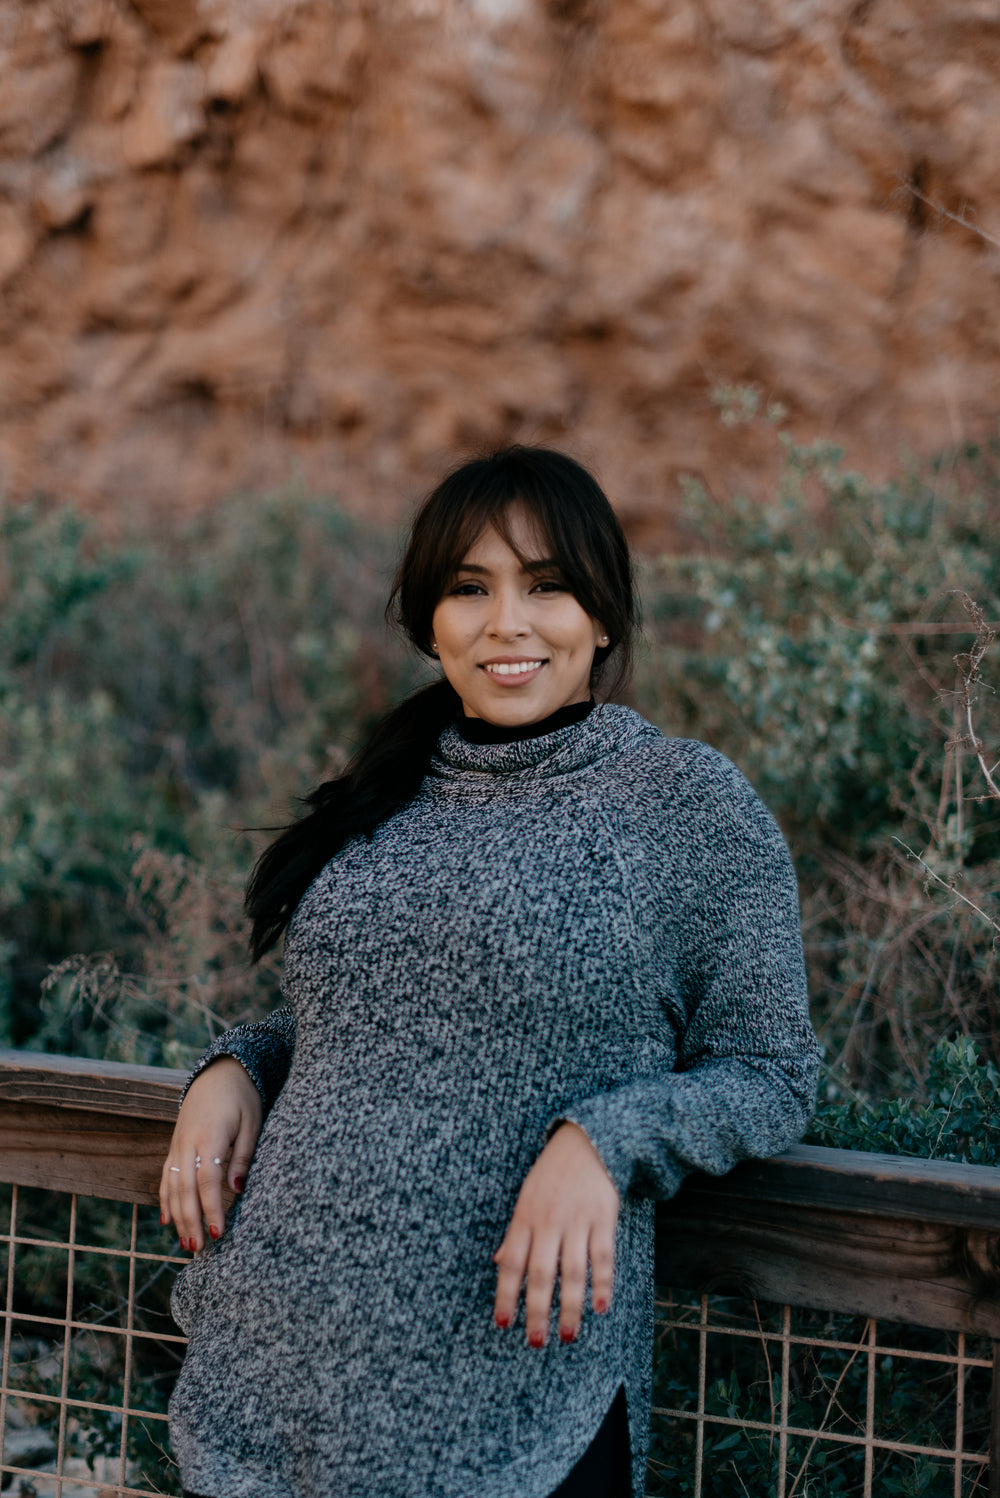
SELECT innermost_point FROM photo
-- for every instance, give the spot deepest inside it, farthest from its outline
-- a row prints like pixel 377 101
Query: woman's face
pixel 512 640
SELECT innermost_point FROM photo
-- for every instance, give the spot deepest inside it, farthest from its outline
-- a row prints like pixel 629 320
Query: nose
pixel 507 619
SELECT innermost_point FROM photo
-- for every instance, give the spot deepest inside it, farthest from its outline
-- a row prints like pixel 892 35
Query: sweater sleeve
pixel 264 1049
pixel 729 946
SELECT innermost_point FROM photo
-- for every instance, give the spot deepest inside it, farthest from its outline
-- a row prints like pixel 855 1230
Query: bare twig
pixel 970 664
pixel 954 218
pixel 739 1479
pixel 833 1400
pixel 770 1375
pixel 951 887
pixel 940 1132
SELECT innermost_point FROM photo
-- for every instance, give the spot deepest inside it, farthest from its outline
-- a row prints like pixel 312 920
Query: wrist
pixel 224 1071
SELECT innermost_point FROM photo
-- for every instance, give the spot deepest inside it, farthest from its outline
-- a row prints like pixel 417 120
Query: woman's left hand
pixel 566 1214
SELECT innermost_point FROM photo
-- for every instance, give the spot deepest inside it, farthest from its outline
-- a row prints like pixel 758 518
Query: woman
pixel 540 963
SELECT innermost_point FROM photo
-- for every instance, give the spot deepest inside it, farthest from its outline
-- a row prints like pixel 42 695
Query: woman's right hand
pixel 219 1121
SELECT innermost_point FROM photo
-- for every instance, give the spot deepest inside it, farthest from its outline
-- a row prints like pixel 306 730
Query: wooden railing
pixel 882 1237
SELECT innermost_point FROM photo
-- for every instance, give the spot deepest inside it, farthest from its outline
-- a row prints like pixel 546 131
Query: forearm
pixel 655 1131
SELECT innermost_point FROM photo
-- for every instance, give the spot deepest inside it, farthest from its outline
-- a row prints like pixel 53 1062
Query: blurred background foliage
pixel 159 694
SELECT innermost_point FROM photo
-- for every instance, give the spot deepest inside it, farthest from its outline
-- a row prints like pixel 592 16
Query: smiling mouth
pixel 511 668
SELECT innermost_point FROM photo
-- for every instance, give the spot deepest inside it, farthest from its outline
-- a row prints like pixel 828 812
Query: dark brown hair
pixel 572 515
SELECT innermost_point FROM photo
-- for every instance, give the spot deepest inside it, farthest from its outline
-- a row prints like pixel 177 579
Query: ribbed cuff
pixel 264 1055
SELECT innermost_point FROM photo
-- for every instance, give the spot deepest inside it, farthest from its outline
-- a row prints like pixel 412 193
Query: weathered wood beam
pixel 81 1150
pixel 806 1173
pixel 855 1181
pixel 881 1185
pixel 891 1267
pixel 98 1086
pixel 878 1235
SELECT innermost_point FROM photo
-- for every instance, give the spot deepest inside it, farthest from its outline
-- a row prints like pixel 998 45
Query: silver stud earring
pixel 603 640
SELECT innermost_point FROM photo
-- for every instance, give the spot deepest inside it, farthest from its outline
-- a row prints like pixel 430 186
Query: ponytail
pixel 382 778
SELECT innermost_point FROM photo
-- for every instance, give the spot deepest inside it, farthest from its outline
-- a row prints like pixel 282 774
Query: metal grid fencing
pixel 752 1398
pixel 89 1349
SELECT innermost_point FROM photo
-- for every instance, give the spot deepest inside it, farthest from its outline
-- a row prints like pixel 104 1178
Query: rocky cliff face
pixel 242 239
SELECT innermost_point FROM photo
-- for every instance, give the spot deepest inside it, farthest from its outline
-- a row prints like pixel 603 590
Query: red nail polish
pixel 502 1322
pixel 163 1219
pixel 600 1306
pixel 214 1233
pixel 239 1182
pixel 536 1339
pixel 567 1334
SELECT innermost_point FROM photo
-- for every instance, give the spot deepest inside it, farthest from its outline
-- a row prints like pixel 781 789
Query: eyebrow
pixel 542 564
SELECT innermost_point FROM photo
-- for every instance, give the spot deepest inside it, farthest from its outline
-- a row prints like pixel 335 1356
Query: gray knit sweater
pixel 599 924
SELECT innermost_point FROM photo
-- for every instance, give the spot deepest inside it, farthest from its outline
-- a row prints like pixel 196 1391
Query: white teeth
pixel 513 668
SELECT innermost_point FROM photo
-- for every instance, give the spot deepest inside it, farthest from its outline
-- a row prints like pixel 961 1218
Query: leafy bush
pixel 160 693
pixel 956 1116
pixel 814 640
pixel 155 698
pixel 805 654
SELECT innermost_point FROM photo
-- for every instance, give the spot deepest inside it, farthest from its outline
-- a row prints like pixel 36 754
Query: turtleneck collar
pixel 605 729
pixel 478 731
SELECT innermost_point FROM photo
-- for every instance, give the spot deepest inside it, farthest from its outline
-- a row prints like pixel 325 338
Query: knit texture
pixel 601 925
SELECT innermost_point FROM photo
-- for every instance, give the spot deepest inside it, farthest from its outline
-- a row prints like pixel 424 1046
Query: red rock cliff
pixel 247 238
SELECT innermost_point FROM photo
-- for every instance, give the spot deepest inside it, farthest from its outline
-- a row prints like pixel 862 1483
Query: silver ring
pixel 197 1162
pixel 216 1161
pixel 176 1169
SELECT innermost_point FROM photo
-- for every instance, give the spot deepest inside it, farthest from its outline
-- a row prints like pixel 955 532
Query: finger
pixel 173 1173
pixel 171 1188
pixel 187 1214
pixel 572 1285
pixel 243 1147
pixel 209 1179
pixel 511 1259
pixel 165 1213
pixel 602 1267
pixel 543 1262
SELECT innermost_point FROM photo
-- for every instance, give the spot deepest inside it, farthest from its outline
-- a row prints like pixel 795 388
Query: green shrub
pixel 161 693
pixel 155 698
pixel 955 1116
pixel 804 637
pixel 791 656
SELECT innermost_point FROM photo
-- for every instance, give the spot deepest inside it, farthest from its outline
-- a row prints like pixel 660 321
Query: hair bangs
pixel 572 521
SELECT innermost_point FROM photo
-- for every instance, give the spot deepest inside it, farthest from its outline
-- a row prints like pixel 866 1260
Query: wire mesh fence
pixel 750 1397
pixel 756 1398
pixel 89 1348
